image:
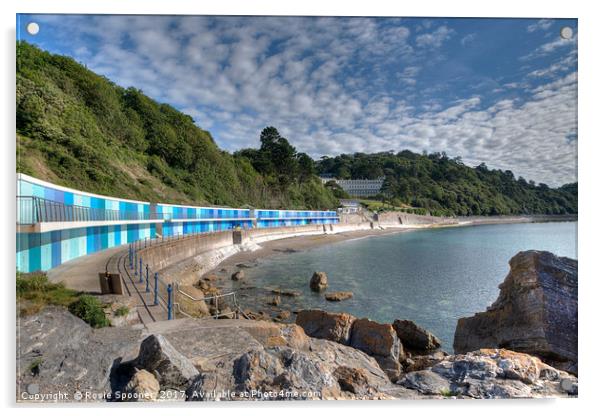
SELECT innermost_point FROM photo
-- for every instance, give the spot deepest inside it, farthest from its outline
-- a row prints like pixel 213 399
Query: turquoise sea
pixel 430 276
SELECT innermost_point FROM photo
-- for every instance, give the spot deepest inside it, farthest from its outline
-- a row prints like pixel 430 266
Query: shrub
pixel 34 292
pixel 89 309
pixel 122 311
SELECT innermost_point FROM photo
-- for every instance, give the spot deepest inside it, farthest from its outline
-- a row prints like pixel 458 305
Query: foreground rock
pixel 375 339
pixel 415 337
pixel 379 341
pixel 170 367
pixel 490 374
pixel 254 360
pixel 318 282
pixel 338 296
pixel 331 326
pixel 57 351
pixel 535 312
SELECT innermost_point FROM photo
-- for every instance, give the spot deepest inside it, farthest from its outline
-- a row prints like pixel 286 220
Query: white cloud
pixel 549 47
pixel 542 24
pixel 434 39
pixel 303 75
pixel 468 39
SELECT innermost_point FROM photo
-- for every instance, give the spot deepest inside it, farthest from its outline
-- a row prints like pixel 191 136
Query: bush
pixel 122 311
pixel 89 309
pixel 35 282
pixel 34 292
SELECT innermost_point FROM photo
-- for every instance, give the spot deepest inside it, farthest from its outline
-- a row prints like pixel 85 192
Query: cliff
pixel 536 312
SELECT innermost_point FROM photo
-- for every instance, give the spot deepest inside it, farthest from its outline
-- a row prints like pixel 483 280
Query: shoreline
pixel 297 243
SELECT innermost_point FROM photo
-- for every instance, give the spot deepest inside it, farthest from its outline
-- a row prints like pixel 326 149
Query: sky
pixel 498 91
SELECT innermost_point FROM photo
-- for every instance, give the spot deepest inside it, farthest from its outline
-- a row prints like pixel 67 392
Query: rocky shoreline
pixel 321 356
pixel 260 301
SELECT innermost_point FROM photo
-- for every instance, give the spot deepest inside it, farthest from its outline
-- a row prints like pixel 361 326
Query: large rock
pixel 491 373
pixel 172 369
pixel 331 326
pixel 535 312
pixel 379 341
pixel 318 282
pixel 415 337
pixel 69 355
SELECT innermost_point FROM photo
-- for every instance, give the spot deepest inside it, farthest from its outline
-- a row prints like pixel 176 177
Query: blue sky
pixel 499 91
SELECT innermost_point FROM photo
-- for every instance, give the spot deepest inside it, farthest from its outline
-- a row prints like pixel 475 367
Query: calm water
pixel 432 277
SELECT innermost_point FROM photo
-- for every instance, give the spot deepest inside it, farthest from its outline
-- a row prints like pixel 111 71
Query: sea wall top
pixel 291 213
pixel 41 201
pixel 28 186
pixel 177 212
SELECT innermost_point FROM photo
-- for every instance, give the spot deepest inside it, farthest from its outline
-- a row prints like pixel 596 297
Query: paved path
pixel 82 274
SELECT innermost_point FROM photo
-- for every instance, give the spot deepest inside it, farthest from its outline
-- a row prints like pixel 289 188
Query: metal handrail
pixel 32 210
pixel 211 298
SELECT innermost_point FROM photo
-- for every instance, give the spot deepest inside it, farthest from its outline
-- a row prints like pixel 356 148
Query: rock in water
pixel 415 337
pixel 275 301
pixel 338 296
pixel 239 275
pixel 379 341
pixel 142 387
pixel 331 326
pixel 318 282
pixel 173 370
pixel 535 312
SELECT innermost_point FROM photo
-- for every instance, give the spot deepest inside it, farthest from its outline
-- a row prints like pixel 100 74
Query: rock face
pixel 415 337
pixel 257 360
pixel 71 356
pixel 159 357
pixel 491 373
pixel 331 326
pixel 535 312
pixel 375 339
pixel 338 296
pixel 354 380
pixel 379 341
pixel 318 282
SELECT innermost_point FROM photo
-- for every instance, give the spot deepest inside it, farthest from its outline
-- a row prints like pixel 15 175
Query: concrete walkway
pixel 81 274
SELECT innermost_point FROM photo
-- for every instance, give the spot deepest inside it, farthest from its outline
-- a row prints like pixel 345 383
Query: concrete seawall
pixel 209 249
pixel 394 218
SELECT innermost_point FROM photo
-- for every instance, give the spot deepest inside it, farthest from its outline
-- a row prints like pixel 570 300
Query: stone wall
pixel 399 218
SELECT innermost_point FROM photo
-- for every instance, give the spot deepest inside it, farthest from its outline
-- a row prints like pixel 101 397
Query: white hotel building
pixel 358 187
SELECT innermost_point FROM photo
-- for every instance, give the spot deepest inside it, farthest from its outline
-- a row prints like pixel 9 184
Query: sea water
pixel 432 276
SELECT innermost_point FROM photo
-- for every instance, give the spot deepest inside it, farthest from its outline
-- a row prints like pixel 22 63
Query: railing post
pixel 169 304
pixel 147 287
pixel 140 270
pixel 135 263
pixel 156 302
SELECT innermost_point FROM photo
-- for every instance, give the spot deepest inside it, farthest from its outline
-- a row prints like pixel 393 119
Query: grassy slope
pixel 78 129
